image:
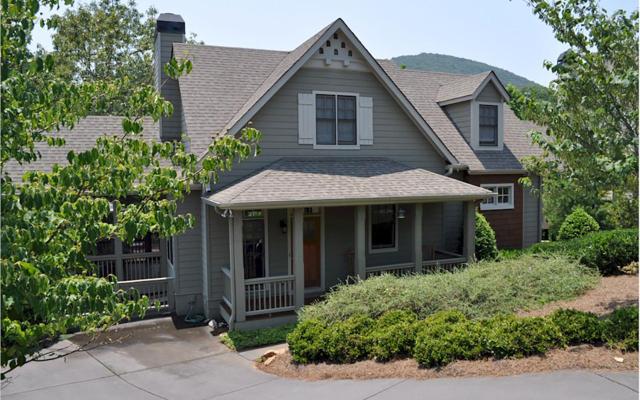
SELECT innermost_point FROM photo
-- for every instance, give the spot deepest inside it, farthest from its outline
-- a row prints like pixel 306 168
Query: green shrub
pixel 442 339
pixel 307 341
pixel 349 340
pixel 479 291
pixel 620 329
pixel 394 335
pixel 577 326
pixel 577 224
pixel 241 340
pixel 485 241
pixel 607 251
pixel 510 336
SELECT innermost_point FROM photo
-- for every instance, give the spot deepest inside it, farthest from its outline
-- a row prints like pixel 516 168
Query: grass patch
pixel 479 291
pixel 242 340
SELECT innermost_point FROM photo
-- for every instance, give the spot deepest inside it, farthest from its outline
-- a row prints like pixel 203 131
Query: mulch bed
pixel 611 293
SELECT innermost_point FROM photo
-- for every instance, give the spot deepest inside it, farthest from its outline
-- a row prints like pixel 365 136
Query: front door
pixel 312 251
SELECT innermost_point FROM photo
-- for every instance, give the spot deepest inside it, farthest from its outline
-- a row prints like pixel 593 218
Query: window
pixel 254 243
pixel 383 228
pixel 170 255
pixel 503 198
pixel 335 120
pixel 488 118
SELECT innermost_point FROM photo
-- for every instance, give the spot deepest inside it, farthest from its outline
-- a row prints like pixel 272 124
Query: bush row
pixel 606 251
pixel 449 335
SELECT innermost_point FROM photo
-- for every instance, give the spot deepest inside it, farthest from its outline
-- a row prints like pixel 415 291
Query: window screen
pixel 488 125
pixel 383 226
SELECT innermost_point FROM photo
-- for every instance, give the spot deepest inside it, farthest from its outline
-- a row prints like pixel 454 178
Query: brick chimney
pixel 170 28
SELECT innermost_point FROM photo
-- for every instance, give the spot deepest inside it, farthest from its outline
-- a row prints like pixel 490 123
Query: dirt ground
pixel 612 292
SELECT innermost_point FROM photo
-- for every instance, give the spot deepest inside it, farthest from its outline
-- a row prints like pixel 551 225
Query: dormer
pixel 475 104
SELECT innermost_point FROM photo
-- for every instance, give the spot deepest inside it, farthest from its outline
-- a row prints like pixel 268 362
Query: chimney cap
pixel 170 23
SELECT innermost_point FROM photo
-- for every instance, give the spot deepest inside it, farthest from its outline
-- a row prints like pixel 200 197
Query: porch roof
pixel 346 181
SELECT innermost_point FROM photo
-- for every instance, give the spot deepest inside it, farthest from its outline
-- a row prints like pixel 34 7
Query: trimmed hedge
pixel 449 335
pixel 577 224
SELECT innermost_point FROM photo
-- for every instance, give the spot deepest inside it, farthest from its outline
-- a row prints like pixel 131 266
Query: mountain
pixel 457 65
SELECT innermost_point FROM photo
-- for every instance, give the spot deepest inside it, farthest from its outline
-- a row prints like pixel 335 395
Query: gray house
pixel 365 168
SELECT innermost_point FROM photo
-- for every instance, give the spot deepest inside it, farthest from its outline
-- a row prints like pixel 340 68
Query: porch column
pixel 298 255
pixel 469 235
pixel 238 267
pixel 360 259
pixel 417 237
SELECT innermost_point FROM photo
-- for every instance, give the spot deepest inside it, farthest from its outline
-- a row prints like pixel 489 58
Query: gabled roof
pixel 468 87
pixel 287 66
pixel 422 88
pixel 352 181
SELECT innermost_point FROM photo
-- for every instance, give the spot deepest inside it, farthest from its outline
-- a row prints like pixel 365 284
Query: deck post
pixel 468 243
pixel 298 255
pixel 117 250
pixel 360 243
pixel 238 267
pixel 417 237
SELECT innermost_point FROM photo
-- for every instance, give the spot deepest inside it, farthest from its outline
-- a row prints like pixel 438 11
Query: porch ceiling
pixel 294 182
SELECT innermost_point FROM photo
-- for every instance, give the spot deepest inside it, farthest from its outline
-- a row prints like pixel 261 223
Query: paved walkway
pixel 153 360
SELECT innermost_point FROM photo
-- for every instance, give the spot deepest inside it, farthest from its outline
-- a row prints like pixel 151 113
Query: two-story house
pixel 365 168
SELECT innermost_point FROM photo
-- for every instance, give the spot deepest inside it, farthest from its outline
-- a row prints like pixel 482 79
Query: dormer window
pixel 488 129
pixel 335 120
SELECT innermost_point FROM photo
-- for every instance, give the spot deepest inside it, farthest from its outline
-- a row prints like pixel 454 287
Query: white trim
pixel 495 205
pixel 475 125
pixel 396 232
pixel 379 72
pixel 313 290
pixel 336 146
pixel 491 77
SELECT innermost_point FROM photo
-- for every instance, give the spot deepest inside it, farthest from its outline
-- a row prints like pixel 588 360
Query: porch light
pixel 401 213
pixel 283 226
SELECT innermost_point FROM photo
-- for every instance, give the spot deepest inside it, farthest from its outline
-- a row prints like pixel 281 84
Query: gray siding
pixel 431 227
pixel 339 244
pixel 394 135
pixel 460 115
pixel 188 285
pixel 218 258
pixel 452 221
pixel 404 253
pixel 489 93
pixel 531 214
pixel 278 248
pixel 170 127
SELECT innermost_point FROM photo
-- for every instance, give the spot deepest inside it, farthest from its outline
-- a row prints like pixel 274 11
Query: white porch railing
pixel 141 266
pixel 447 260
pixel 269 295
pixel 158 290
pixel 445 263
pixel 395 269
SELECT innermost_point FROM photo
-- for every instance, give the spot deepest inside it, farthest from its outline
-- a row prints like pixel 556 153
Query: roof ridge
pixel 231 47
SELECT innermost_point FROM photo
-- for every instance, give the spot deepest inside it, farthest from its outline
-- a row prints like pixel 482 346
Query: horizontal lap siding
pixel 339 244
pixel 531 215
pixel 489 93
pixel 189 255
pixel 506 223
pixel 394 134
pixel 452 226
pixel 460 115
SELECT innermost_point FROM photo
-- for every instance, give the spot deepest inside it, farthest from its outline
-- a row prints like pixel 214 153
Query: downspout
pixel 451 168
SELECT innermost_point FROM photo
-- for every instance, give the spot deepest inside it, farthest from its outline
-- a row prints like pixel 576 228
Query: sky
pixel 503 33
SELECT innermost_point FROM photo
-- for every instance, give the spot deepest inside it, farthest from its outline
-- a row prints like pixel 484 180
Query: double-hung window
pixel 383 228
pixel 502 198
pixel 336 120
pixel 488 130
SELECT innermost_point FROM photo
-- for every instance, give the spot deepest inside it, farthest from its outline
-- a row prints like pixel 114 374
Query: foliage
pixel 481 290
pixel 577 224
pixel 590 143
pixel 51 220
pixel 578 326
pixel 447 336
pixel 621 329
pixel 606 251
pixel 393 335
pixel 240 340
pixel 103 41
pixel 485 240
pixel 457 65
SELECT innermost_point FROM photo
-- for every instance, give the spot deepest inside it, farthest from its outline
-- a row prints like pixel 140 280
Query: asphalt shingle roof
pixel 341 181
pixel 461 87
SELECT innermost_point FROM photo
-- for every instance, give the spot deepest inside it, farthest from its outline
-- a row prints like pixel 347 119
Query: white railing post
pixel 360 259
pixel 417 237
pixel 468 243
pixel 298 256
pixel 238 267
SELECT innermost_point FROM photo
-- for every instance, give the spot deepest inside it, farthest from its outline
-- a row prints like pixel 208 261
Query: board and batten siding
pixel 188 285
pixel 532 215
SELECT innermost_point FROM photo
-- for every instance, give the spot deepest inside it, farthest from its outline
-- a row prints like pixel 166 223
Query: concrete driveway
pixel 153 360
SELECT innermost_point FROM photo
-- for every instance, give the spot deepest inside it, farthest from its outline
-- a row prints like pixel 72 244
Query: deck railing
pixel 446 260
pixel 269 295
pixel 395 269
pixel 158 290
